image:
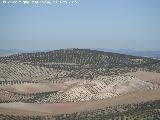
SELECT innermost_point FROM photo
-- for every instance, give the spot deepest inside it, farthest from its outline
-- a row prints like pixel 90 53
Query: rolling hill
pixel 75 76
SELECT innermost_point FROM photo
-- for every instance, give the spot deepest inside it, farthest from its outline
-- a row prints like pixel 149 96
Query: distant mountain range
pixel 10 52
pixel 152 54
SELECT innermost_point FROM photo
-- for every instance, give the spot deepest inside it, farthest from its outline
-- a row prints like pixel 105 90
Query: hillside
pixel 75 76
pixel 75 63
pixel 82 57
pixel 81 75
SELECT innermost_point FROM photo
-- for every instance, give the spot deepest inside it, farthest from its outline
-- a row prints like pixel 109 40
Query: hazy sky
pixel 117 24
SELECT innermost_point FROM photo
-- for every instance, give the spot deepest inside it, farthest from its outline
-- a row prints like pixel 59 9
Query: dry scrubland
pixel 62 84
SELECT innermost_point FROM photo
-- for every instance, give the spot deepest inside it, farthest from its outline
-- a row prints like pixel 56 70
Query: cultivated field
pixel 19 108
pixel 49 85
pixel 147 76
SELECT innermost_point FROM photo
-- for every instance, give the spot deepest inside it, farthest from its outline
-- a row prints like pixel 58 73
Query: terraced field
pixel 73 76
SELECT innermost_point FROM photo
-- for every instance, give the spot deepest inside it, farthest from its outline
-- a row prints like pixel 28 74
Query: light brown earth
pixel 148 76
pixel 34 87
pixel 61 108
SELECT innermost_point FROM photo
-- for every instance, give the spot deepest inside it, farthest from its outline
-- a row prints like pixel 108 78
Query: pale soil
pixel 148 76
pixel 100 89
pixel 84 90
pixel 138 85
pixel 61 108
pixel 34 87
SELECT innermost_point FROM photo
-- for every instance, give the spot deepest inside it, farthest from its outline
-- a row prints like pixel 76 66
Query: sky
pixel 113 24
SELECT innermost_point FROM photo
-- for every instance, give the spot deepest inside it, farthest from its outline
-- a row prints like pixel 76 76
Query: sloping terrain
pixel 74 76
pixel 70 63
pixel 147 76
pixel 52 109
